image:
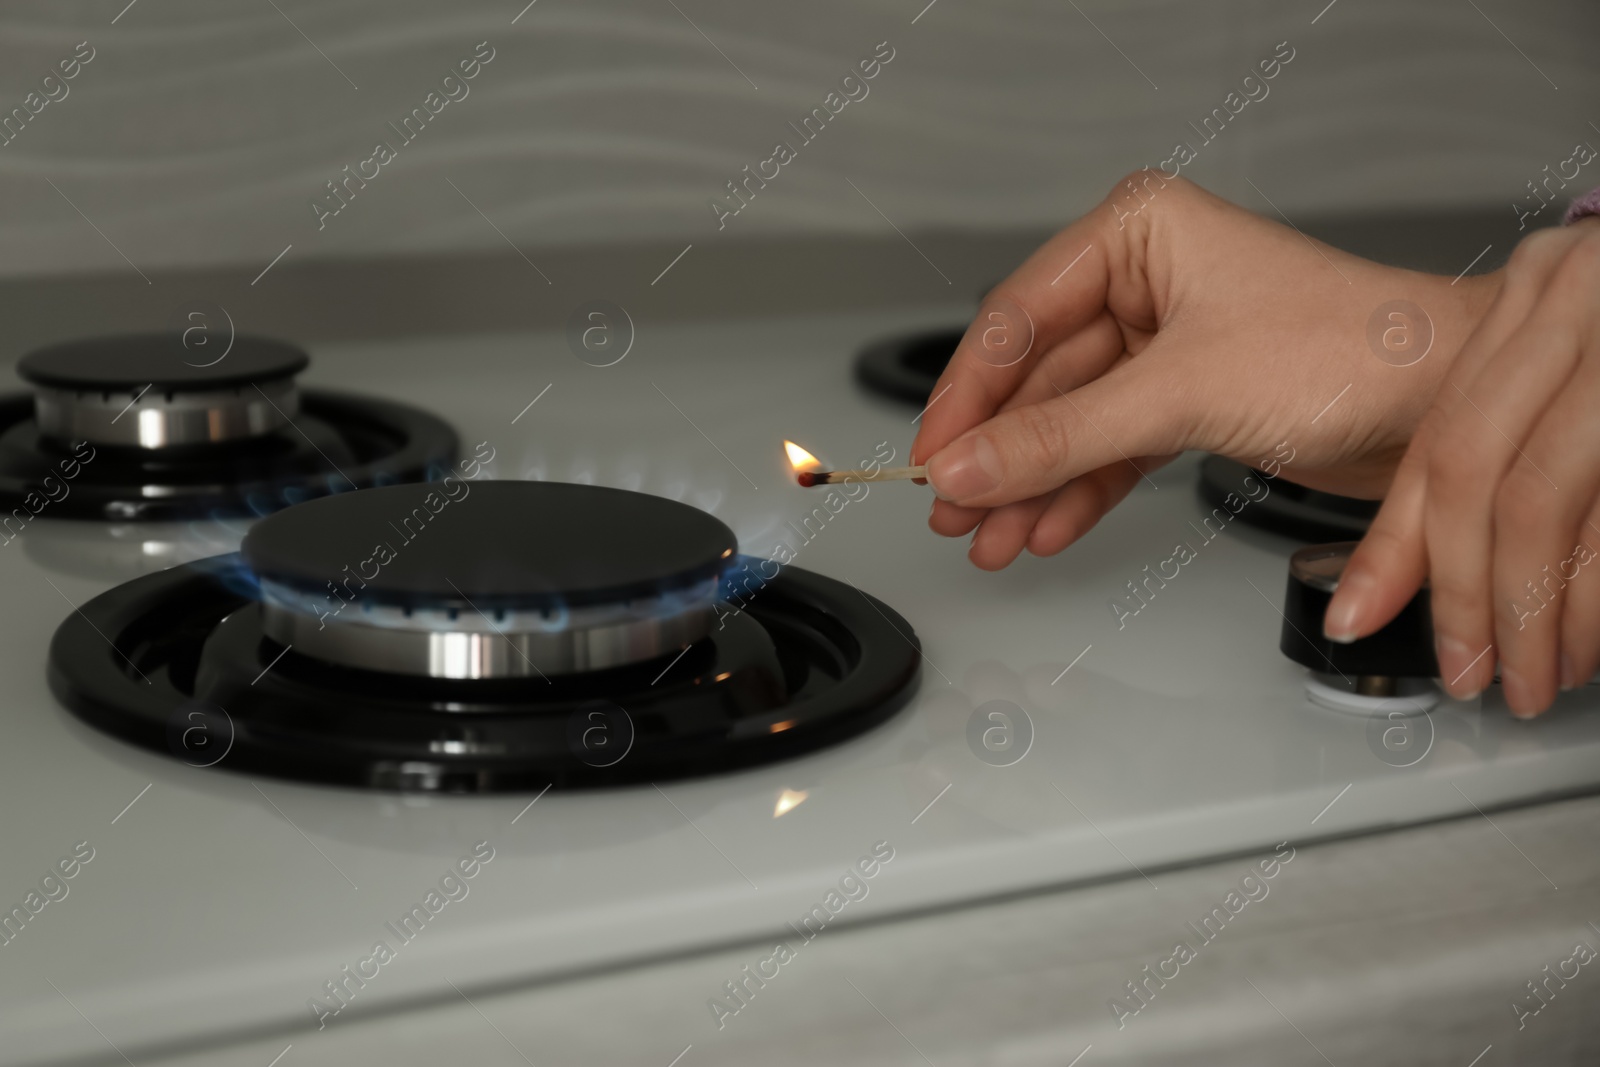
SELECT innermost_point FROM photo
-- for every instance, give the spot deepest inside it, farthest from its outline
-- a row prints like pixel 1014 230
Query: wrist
pixel 1474 296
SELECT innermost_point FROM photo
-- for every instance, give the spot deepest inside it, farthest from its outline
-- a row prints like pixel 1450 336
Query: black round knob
pixel 1402 649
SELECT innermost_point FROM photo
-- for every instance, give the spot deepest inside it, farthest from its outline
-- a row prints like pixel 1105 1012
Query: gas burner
pixel 532 580
pixel 1291 510
pixel 1386 673
pixel 126 428
pixel 907 366
pixel 484 637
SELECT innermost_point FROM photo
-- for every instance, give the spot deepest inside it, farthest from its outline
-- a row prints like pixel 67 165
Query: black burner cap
pixel 907 366
pixel 506 544
pixel 159 360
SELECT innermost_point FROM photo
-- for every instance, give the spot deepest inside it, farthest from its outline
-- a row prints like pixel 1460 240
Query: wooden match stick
pixel 884 474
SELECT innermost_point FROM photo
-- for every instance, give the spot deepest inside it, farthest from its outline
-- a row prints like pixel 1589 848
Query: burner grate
pixel 809 662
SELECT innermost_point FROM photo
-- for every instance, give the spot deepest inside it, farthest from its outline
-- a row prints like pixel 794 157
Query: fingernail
pixel 1516 693
pixel 1349 604
pixel 1569 673
pixel 1454 659
pixel 965 469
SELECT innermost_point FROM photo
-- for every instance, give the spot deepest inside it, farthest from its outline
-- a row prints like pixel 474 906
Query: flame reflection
pixel 788 800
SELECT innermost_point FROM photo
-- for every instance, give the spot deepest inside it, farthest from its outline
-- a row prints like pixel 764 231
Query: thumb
pixel 1032 449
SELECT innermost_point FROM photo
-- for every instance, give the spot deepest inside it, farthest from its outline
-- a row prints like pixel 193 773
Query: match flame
pixel 800 459
pixel 788 800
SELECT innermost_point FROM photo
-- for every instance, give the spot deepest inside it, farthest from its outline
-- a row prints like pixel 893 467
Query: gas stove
pixel 268 806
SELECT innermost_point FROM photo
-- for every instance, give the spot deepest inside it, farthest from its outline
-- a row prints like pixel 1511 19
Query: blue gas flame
pixel 231 572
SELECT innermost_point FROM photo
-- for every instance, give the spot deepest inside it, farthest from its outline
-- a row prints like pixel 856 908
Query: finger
pixel 1468 655
pixel 1391 562
pixel 1062 288
pixel 1028 450
pixel 1538 558
pixel 953 520
pixel 1005 532
pixel 1072 364
pixel 1580 615
pixel 1540 508
pixel 1016 321
pixel 1078 359
pixel 1079 505
pixel 1478 448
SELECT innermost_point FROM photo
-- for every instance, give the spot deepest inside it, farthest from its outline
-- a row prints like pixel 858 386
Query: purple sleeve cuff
pixel 1586 205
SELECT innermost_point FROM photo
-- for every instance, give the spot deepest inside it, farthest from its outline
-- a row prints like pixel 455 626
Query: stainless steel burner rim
pixel 154 418
pixel 486 652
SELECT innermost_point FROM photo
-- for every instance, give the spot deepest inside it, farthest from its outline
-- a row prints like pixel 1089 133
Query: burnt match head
pixel 807 479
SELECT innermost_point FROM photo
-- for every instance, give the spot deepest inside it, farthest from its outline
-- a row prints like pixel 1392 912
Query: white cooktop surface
pixel 217 903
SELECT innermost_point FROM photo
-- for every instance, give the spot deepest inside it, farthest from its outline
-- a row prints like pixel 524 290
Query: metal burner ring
pixel 460 642
pixel 467 654
pixel 157 418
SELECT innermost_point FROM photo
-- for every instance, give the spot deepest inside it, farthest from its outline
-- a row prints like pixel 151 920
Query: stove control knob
pixel 1402 649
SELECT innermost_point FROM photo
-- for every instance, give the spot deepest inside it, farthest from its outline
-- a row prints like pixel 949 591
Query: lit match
pixel 806 472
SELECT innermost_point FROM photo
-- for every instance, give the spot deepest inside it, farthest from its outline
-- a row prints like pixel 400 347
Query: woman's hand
pixel 1167 319
pixel 1495 501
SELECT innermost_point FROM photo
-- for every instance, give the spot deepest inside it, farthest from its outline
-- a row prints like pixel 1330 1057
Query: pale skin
pixel 1190 323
